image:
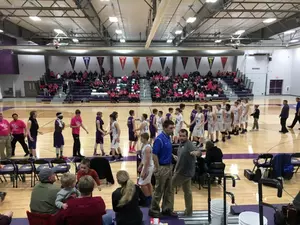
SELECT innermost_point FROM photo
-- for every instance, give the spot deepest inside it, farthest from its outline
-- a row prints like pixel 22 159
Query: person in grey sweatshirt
pixel 68 182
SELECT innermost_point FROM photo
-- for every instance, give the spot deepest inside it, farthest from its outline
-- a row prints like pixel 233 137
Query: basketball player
pixel 224 103
pixel 131 133
pixel 245 112
pixel 192 117
pixel 144 127
pixel 153 126
pixel 240 109
pixel 32 133
pixel 236 118
pixel 229 118
pixel 182 107
pixel 204 111
pixel 58 137
pixel 116 132
pixel 211 122
pixel 169 115
pixel 220 123
pixel 198 132
pixel 100 133
pixel 160 121
pixel 178 124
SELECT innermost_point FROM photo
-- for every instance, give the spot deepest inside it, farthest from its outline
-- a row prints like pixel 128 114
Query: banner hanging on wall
pixel 184 61
pixel 72 61
pixel 136 61
pixel 86 61
pixel 211 61
pixel 122 62
pixel 100 61
pixel 224 61
pixel 197 61
pixel 149 61
pixel 163 62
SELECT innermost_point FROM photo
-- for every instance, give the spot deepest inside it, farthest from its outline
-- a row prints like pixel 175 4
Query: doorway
pixel 30 88
pixel 275 87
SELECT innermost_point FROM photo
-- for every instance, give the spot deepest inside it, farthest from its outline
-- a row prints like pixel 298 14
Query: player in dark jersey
pixel 169 114
pixel 192 117
pixel 58 137
pixel 100 133
pixel 205 110
pixel 152 125
pixel 131 132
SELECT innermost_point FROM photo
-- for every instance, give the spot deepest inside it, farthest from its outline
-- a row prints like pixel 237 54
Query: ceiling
pixel 88 21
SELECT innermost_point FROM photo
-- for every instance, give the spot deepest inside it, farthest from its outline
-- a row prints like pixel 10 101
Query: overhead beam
pixel 158 18
pixel 267 2
pixel 261 10
pixel 242 18
pixel 44 16
pixel 39 8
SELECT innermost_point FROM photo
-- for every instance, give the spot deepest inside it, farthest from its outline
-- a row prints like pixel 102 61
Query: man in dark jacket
pixel 213 154
pixel 284 115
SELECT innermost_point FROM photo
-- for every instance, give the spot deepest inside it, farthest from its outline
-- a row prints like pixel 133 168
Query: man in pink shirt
pixel 18 131
pixel 76 123
pixel 5 139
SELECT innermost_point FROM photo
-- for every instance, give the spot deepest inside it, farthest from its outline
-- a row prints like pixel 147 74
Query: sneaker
pixel 27 154
pixel 228 137
pixel 246 130
pixel 103 153
pixel 290 127
pixel 223 139
pixel 113 159
pixel 243 132
pixel 217 140
pixel 169 213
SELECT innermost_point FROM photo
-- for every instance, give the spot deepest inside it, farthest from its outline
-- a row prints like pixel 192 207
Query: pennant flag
pixel 224 61
pixel 87 61
pixel 72 61
pixel 197 61
pixel 184 61
pixel 211 61
pixel 136 61
pixel 149 61
pixel 100 61
pixel 122 62
pixel 163 62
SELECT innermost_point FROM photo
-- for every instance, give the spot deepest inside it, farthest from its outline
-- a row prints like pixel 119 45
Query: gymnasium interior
pixel 119 55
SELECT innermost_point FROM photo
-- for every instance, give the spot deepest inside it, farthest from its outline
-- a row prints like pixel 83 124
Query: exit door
pixel 30 88
pixel 275 87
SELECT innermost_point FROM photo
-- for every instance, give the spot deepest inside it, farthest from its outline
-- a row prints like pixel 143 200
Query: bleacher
pixel 240 90
pixel 48 83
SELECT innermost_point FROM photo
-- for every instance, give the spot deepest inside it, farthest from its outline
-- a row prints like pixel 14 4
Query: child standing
pixel 255 115
pixel 68 182
pixel 58 137
pixel 86 170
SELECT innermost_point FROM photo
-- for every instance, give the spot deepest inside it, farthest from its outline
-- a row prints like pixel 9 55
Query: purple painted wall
pixel 9 63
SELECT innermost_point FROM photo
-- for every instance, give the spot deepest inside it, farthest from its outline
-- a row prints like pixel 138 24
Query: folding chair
pixel 39 165
pixel 263 161
pixel 8 168
pixel 77 161
pixel 60 166
pixel 39 219
pixel 24 167
pixel 296 161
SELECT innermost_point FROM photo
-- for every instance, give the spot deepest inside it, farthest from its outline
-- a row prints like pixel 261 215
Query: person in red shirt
pixel 76 123
pixel 5 139
pixel 18 131
pixel 85 209
pixel 86 170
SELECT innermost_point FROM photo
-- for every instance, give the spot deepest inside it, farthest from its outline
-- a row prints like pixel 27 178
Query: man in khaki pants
pixel 185 170
pixel 5 138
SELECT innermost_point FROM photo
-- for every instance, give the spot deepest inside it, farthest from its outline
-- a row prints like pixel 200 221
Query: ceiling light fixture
pixel 119 31
pixel 122 40
pixel 35 18
pixel 290 32
pixel 58 31
pixel 113 19
pixel 239 32
pixel 294 41
pixel 178 32
pixel 169 41
pixel 211 1
pixel 75 40
pixel 218 41
pixel 270 20
pixel 191 20
pixel 1 31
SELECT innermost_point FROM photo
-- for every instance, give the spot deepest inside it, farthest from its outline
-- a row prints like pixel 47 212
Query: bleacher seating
pixel 237 85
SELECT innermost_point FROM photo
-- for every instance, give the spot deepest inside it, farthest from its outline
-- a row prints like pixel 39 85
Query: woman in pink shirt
pixel 5 139
pixel 18 131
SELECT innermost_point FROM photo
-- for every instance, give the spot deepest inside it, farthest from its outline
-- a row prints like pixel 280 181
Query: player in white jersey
pixel 198 131
pixel 159 122
pixel 144 126
pixel 115 142
pixel 245 112
pixel 178 124
pixel 211 122
pixel 220 123
pixel 236 118
pixel 223 106
pixel 228 120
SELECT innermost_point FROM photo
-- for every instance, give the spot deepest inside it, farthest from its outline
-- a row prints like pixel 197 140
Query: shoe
pixel 153 215
pixel 217 140
pixel 113 159
pixel 81 156
pixel 243 132
pixel 290 127
pixel 103 153
pixel 223 139
pixel 169 213
pixel 2 196
pixel 27 154
pixel 246 130
pixel 229 137
pixel 280 131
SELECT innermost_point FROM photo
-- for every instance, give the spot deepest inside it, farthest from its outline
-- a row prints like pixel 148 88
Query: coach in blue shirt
pixel 297 114
pixel 162 157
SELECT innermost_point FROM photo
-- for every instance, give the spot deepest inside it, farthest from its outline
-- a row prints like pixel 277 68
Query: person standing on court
pixel 32 133
pixel 185 170
pixel 5 139
pixel 76 123
pixel 18 131
pixel 297 114
pixel 162 157
pixel 284 115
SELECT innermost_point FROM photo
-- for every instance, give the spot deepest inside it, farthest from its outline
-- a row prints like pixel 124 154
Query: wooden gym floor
pixel 238 151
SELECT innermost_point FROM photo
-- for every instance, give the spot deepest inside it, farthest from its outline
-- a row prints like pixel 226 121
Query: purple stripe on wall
pixel 9 63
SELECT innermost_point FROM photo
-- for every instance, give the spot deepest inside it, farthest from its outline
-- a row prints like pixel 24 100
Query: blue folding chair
pixel 23 167
pixel 60 166
pixel 39 165
pixel 8 168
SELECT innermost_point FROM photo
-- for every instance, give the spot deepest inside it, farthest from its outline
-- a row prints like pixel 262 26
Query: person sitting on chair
pixel 213 154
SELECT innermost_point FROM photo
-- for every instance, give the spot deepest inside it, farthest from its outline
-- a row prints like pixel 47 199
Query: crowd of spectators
pixel 185 87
